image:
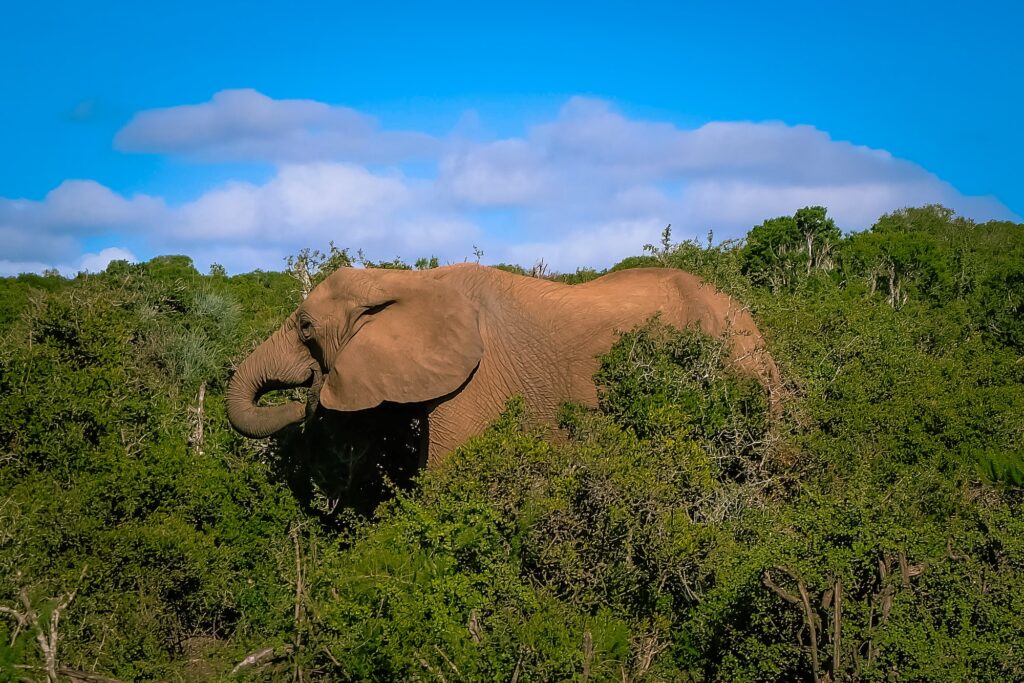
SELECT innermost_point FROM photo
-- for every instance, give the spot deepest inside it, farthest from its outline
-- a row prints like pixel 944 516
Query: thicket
pixel 872 532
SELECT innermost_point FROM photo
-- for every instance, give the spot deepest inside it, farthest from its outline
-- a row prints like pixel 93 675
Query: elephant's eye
pixel 305 328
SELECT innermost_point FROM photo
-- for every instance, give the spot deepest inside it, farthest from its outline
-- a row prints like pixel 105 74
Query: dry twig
pixel 299 591
pixel 588 655
pixel 47 633
pixel 196 440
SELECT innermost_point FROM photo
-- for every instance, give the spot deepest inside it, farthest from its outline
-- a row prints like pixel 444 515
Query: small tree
pixel 782 250
pixel 310 267
pixel 910 252
pixel 663 252
pixel 394 264
pixel 424 263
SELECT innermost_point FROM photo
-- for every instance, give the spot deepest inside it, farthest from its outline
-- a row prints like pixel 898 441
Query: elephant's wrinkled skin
pixel 464 339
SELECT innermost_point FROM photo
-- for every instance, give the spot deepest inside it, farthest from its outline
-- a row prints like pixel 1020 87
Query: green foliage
pixel 658 380
pixel 674 533
pixel 511 268
pixel 519 554
pixel 540 270
pixel 424 263
pixel 394 264
pixel 931 255
pixel 16 293
pixel 579 277
pixel 781 251
pixel 169 542
pixel 310 267
pixel 647 523
pixel 163 268
pixel 636 262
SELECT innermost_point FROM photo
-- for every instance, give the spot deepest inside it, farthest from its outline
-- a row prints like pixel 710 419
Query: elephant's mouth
pixel 259 421
pixel 315 384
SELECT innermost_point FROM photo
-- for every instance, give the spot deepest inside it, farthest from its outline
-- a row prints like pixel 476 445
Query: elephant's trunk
pixel 280 362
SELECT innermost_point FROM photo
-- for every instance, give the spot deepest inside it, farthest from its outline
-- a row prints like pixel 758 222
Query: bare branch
pixel 299 590
pixel 779 590
pixel 812 628
pixel 76 675
pixel 448 661
pixel 837 625
pixel 473 625
pixel 518 669
pixel 196 440
pixel 426 665
pixel 588 655
pixel 20 619
pixel 47 634
pixel 261 657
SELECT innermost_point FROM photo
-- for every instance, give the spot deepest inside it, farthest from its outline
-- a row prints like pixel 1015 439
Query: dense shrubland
pixel 872 532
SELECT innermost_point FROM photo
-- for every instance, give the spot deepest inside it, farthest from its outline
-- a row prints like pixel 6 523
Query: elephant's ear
pixel 419 342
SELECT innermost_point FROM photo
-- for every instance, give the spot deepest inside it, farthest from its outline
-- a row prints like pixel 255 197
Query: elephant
pixel 461 340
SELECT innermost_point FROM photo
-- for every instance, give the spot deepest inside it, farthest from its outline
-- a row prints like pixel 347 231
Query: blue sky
pixel 241 132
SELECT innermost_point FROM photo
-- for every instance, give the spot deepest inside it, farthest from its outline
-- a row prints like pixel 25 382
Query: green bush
pixel 677 532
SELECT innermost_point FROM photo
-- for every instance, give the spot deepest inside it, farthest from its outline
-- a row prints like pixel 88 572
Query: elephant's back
pixel 628 298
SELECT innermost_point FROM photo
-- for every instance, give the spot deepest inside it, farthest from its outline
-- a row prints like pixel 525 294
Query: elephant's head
pixel 361 338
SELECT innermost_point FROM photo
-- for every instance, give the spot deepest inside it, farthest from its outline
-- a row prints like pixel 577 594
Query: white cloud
pixel 9 268
pixel 585 188
pixel 80 207
pixel 93 263
pixel 25 242
pixel 323 193
pixel 584 246
pixel 96 263
pixel 245 125
pixel 232 211
pixel 588 135
pixel 503 173
pixel 312 204
pixel 86 203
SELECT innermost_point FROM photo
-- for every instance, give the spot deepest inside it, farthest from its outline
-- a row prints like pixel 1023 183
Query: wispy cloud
pixel 80 206
pixel 245 125
pixel 51 231
pixel 92 263
pixel 585 188
pixel 310 204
